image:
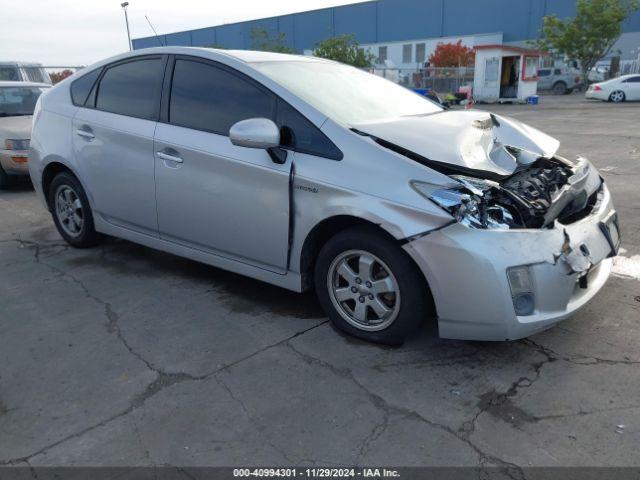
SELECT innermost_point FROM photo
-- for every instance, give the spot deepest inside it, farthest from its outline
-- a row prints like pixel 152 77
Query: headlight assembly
pixel 468 203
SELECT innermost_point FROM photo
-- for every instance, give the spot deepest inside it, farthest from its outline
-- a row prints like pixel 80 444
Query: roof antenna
pixel 154 31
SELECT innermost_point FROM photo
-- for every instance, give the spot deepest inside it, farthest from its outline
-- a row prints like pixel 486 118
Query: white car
pixel 626 87
pixel 17 101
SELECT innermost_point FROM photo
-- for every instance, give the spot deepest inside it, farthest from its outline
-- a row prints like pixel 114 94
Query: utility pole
pixel 126 20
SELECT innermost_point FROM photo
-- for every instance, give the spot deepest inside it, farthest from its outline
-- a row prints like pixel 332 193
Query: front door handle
pixel 170 158
pixel 85 134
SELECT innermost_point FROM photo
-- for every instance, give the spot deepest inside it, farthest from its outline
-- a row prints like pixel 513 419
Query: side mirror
pixel 255 133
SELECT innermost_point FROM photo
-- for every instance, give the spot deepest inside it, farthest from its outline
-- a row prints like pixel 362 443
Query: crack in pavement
pixel 163 379
pixel 512 470
pixel 584 360
pixel 252 420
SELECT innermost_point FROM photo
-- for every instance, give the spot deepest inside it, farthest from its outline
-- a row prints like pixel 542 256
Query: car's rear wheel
pixel 617 96
pixel 559 88
pixel 71 211
pixel 370 287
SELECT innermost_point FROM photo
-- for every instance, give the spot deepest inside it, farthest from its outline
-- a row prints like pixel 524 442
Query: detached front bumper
pixel 467 272
pixel 15 162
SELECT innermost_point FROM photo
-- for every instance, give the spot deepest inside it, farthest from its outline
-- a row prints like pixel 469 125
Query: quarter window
pixel 298 133
pixel 81 87
pixel 132 88
pixel 205 97
pixel 632 80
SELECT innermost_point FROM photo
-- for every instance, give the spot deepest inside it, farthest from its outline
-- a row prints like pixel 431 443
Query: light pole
pixel 126 20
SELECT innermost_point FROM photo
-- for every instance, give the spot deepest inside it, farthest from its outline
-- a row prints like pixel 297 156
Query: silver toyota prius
pixel 306 173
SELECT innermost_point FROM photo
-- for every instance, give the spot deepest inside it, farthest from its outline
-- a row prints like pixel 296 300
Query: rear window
pixel 18 101
pixel 132 88
pixel 543 73
pixel 81 87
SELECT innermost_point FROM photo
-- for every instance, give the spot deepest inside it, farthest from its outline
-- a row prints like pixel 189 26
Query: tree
pixel 590 35
pixel 57 77
pixel 344 49
pixel 263 41
pixel 452 55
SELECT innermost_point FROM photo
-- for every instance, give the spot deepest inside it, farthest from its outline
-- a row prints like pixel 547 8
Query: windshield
pixel 16 101
pixel 346 94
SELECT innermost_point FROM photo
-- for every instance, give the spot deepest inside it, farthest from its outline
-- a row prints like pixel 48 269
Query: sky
pixel 80 32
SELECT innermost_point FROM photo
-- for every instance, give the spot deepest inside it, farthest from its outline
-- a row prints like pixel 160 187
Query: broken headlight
pixel 469 202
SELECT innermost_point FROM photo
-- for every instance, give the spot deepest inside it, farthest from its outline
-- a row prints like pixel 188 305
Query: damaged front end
pixel 536 196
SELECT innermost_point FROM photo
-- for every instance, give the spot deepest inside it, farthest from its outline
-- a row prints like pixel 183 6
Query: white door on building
pixel 491 87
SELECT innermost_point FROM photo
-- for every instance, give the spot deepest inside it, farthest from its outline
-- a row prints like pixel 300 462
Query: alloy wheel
pixel 617 96
pixel 69 210
pixel 363 290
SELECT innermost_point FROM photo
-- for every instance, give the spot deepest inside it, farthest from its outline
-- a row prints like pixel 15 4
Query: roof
pixel 511 48
pixel 23 84
pixel 250 56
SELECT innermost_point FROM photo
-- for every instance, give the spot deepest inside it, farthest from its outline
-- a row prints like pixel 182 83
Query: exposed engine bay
pixel 535 196
pixel 508 174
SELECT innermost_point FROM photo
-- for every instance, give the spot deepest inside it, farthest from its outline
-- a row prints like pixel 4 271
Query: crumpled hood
pixel 15 128
pixel 472 140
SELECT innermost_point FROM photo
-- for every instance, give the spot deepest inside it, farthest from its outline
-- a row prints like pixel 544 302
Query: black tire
pixel 617 96
pixel 5 180
pixel 87 235
pixel 415 305
pixel 559 88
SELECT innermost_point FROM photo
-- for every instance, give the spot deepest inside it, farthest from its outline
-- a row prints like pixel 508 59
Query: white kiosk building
pixel 505 73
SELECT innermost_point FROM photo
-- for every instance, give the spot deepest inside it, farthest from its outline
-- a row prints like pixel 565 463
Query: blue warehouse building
pixel 387 21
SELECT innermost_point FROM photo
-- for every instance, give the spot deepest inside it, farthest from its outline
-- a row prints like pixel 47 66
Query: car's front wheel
pixel 71 211
pixel 370 287
pixel 617 96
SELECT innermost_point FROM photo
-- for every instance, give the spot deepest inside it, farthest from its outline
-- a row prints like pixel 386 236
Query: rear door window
pixel 132 88
pixel 632 80
pixel 210 98
pixel 543 73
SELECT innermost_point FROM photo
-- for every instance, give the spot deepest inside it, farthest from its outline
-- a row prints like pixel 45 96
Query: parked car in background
pixel 23 72
pixel 559 81
pixel 17 102
pixel 308 173
pixel 619 89
pixel 598 74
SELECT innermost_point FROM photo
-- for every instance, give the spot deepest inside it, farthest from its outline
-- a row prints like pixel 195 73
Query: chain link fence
pixel 442 80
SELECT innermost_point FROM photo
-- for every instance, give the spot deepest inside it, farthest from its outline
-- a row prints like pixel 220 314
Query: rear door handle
pixel 170 158
pixel 85 134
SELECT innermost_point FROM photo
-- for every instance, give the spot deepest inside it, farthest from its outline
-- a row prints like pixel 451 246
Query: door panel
pixel 632 88
pixel 115 158
pixel 215 196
